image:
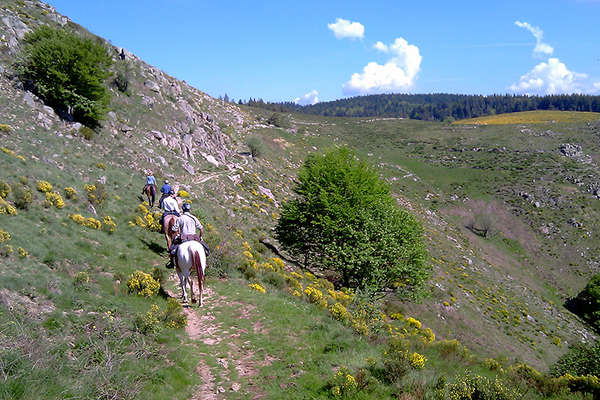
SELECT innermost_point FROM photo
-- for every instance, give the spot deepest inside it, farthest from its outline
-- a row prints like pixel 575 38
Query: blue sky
pixel 308 50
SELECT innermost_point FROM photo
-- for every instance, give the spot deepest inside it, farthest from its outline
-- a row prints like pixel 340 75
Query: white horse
pixel 190 258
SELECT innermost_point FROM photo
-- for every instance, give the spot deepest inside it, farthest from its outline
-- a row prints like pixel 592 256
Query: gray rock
pixel 102 180
pixel 1 69
pixel 112 116
pixel 211 159
pixel 158 135
pixel 28 98
pixel 48 110
pixel 152 85
pixel 76 126
pixel 189 169
pixel 59 19
pixel 163 161
pixel 91 209
pixel 126 128
pixel 537 204
pixel 266 192
pixel 148 101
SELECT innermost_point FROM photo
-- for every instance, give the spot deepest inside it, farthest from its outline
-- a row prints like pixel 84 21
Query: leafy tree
pixel 587 303
pixel 344 220
pixel 581 359
pixel 67 72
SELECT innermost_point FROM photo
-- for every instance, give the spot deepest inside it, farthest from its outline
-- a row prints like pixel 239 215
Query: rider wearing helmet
pixel 165 189
pixel 186 226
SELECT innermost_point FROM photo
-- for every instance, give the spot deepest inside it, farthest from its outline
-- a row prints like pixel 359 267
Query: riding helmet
pixel 186 207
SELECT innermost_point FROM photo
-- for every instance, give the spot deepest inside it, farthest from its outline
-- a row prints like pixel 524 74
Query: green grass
pixel 532 117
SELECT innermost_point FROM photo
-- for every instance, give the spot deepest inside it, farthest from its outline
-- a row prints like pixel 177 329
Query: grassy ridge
pixel 531 117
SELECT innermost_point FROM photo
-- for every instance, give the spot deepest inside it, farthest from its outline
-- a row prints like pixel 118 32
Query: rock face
pixel 171 119
pixel 575 152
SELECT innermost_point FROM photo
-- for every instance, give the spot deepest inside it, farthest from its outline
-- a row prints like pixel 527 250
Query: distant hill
pixel 531 117
pixel 436 106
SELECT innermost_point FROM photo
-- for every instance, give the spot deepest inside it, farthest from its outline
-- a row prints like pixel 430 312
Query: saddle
pixel 186 238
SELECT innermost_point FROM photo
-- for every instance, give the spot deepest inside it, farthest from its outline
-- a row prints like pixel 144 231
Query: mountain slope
pixel 70 325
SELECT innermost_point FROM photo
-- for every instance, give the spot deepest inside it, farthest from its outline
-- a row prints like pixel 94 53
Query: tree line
pixel 436 106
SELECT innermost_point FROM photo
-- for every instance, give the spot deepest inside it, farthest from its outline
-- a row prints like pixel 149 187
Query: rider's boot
pixel 172 252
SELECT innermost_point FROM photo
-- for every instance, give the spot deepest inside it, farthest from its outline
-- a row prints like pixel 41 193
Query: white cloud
pixel 397 74
pixel 343 28
pixel 552 77
pixel 381 47
pixel 540 47
pixel 309 98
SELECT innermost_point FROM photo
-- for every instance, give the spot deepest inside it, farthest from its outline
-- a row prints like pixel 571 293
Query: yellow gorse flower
pixel 44 186
pixel 257 287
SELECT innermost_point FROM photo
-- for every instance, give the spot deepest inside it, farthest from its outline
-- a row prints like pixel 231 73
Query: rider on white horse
pixel 186 226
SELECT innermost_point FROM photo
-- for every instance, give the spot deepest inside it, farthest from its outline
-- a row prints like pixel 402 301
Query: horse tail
pixel 198 265
pixel 153 192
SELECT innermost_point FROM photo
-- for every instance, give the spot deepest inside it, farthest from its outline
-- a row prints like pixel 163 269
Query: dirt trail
pixel 203 326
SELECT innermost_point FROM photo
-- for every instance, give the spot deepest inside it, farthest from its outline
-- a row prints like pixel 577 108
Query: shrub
pixel 67 72
pixel 482 225
pixel 142 284
pixel 44 186
pixel 476 387
pixel 4 236
pixel 345 220
pixel 257 287
pixel 70 193
pixel 452 349
pixel 587 303
pixel 343 384
pixel 22 196
pixel 89 222
pixel 22 252
pixel 182 193
pixel 87 133
pixel 81 280
pixel 54 199
pixel 6 208
pixel 110 225
pixel 96 193
pixel 279 120
pixel 256 146
pixel 149 322
pixel 122 76
pixel 580 359
pixel 4 128
pixel 174 317
pixel 397 360
pixel 4 189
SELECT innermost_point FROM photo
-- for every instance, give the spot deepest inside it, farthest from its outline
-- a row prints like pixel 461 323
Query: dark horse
pixel 150 191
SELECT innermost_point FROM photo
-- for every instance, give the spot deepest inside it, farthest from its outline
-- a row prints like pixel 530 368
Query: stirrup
pixel 170 265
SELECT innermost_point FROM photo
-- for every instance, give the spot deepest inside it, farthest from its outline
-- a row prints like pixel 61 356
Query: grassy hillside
pixel 531 117
pixel 70 327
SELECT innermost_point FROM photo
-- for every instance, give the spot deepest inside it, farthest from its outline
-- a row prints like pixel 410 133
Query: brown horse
pixel 168 222
pixel 150 191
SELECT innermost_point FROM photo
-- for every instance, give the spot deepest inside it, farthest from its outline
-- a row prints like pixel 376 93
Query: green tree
pixel 581 359
pixel 344 220
pixel 67 72
pixel 587 303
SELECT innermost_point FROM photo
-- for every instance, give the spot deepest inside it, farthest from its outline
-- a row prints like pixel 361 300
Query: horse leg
pixel 200 274
pixel 182 285
pixel 192 288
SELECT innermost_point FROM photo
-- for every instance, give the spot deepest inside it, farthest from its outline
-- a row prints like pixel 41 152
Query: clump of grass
pixel 22 196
